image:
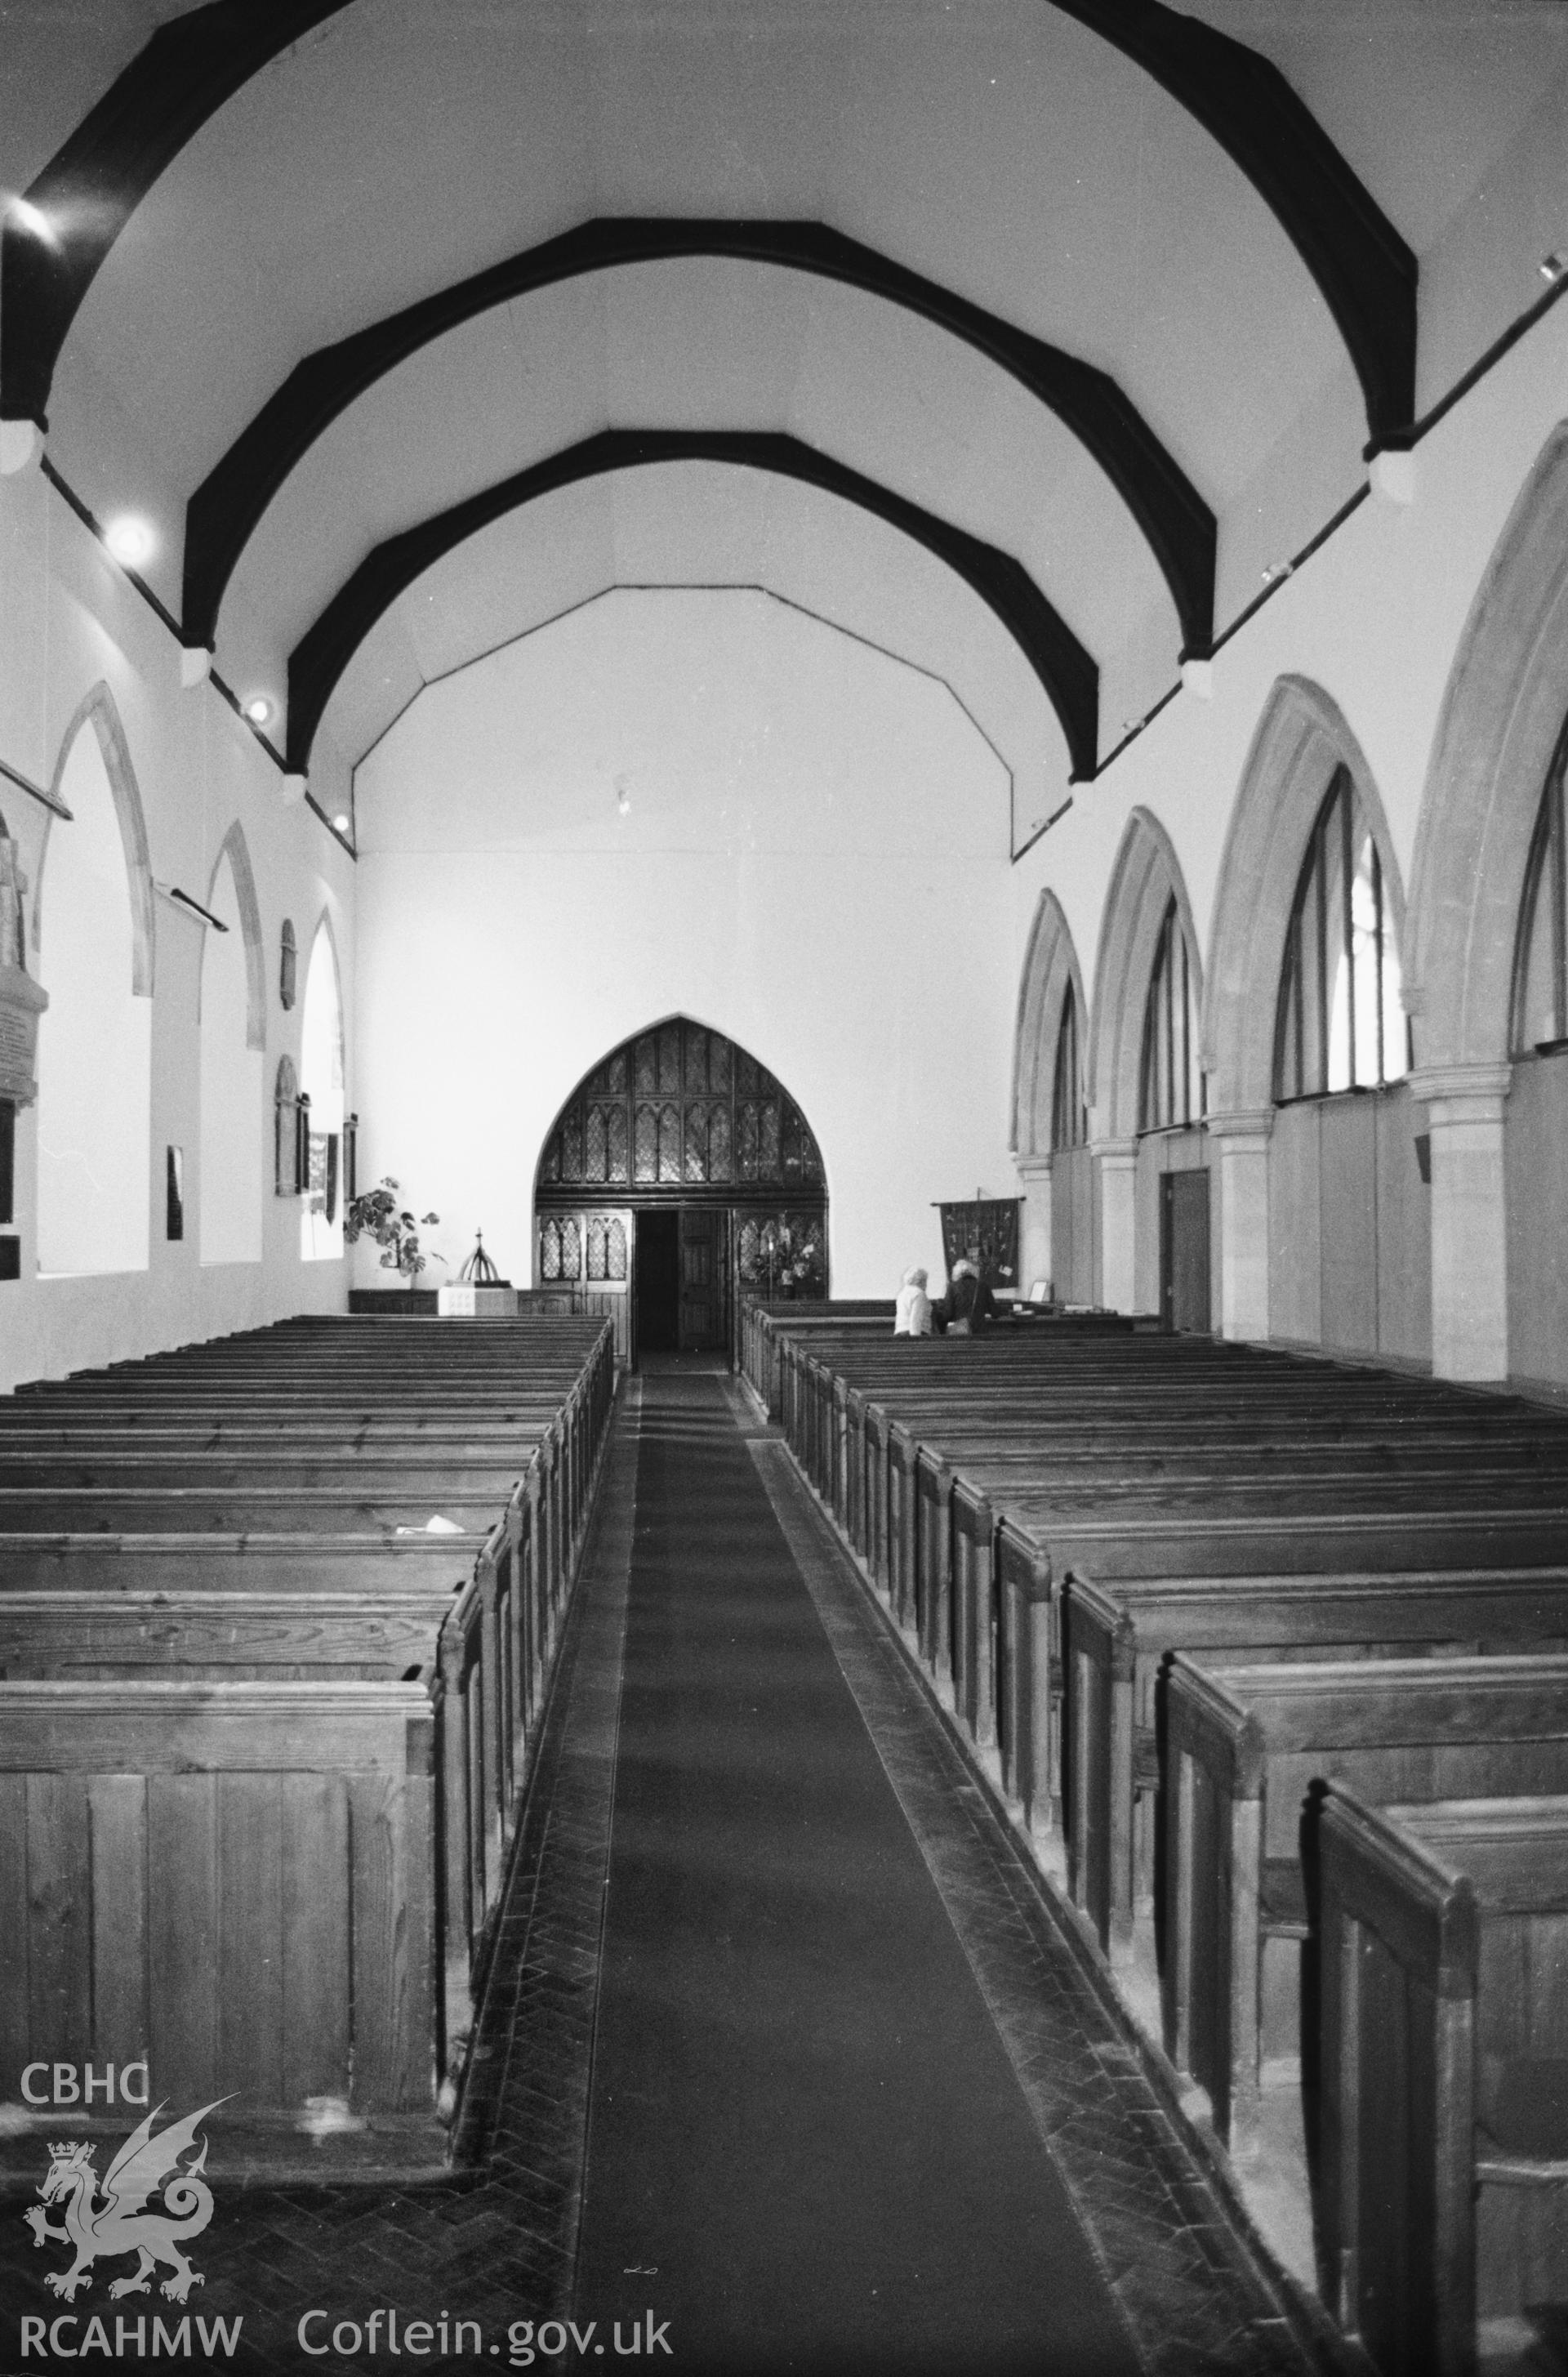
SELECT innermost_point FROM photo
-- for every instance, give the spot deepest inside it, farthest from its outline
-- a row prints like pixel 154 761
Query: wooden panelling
pixel 1295 1270
pixel 1404 1231
pixel 1074 1267
pixel 184 1979
pixel 1159 1152
pixel 1536 1143
pixel 1349 1225
pixel 1347 1221
pixel 117 1816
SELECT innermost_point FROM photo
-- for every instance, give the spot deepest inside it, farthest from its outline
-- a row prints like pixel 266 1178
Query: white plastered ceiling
pixel 999 148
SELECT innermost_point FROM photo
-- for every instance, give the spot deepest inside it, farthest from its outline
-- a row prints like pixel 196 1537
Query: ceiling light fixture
pixel 1553 266
pixel 341 823
pixel 258 710
pixel 28 217
pixel 129 539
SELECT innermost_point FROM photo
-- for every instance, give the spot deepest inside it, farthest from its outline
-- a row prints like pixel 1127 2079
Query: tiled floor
pixel 494 2243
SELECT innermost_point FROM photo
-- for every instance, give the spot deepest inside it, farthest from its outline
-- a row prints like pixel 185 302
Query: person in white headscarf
pixel 913 1314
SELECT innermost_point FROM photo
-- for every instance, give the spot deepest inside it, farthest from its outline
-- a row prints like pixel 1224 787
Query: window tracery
pixel 1170 1086
pixel 681 1107
pixel 1341 1022
pixel 1069 1120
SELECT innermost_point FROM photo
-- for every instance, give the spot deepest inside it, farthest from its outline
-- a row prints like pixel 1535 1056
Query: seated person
pixel 967 1303
pixel 911 1315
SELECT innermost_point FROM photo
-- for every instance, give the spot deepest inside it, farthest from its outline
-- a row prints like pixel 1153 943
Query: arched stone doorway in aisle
pixel 679 1176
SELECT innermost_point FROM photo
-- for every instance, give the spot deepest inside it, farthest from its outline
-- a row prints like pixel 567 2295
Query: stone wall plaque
pixel 23 1001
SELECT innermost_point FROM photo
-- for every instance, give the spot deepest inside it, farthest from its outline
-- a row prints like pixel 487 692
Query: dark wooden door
pixel 656 1284
pixel 704 1274
pixel 1183 1250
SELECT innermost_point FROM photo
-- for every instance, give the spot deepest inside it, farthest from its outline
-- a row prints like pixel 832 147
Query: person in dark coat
pixel 968 1304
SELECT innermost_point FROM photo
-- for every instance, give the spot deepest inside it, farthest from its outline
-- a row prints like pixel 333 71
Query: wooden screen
pixel 677 1109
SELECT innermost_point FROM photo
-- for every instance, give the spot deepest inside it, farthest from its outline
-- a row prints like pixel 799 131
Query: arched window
pixel 1069 1124
pixel 1340 1024
pixel 230 1177
pixel 1540 953
pixel 95 1039
pixel 1171 1088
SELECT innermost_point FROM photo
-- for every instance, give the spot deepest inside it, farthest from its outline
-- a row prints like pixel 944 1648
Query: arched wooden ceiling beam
pixel 225 509
pixel 89 188
pixel 191 64
pixel 1068 673
pixel 1366 273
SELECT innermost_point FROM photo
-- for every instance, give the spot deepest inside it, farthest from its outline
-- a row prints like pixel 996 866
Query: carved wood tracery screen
pixel 680 1108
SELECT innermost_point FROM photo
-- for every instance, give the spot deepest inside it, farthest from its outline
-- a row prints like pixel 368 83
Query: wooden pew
pixel 1119 1641
pixel 488 1644
pixel 236 1883
pixel 454 1643
pixel 1243 1747
pixel 1444 2026
pixel 1026 1562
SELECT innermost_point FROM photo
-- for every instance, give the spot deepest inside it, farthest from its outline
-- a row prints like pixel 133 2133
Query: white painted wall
pixel 73 622
pixel 321 1079
pixel 812 859
pixel 231 1169
pixel 95 1039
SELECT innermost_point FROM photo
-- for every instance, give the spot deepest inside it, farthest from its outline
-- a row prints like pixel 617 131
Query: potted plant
pixel 378 1215
pixel 794 1263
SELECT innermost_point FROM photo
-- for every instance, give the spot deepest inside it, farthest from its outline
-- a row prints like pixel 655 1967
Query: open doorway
pixel 656 1282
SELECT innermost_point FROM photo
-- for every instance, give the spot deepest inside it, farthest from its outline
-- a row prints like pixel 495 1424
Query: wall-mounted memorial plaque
pixel 22 1000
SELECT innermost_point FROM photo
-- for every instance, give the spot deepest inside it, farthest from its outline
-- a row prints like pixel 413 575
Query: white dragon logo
pixel 120 2224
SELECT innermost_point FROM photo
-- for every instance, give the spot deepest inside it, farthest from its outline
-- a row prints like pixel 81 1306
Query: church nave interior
pixel 645 648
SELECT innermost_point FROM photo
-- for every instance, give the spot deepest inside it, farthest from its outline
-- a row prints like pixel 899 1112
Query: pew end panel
pixel 1445 2044
pixel 1029 1683
pixel 1267 1739
pixel 234 1883
pixel 1399 1961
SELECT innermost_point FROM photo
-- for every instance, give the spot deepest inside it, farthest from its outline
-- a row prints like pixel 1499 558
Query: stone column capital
pixel 1114 1154
pixel 1255 1123
pixel 1033 1168
pixel 1461 1094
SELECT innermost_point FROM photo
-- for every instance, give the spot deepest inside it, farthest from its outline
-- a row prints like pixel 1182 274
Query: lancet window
pixel 1069 1122
pixel 1170 1086
pixel 1340 1024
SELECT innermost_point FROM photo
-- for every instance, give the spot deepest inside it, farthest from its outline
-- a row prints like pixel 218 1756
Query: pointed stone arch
pixel 1144 880
pixel 1502 711
pixel 236 850
pixel 1051 969
pixel 97 708
pixel 1302 738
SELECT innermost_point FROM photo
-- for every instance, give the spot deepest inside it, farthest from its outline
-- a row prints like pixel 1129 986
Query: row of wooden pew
pixel 277 1618
pixel 1269 1659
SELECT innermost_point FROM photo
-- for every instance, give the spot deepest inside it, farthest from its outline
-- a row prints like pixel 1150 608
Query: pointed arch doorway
pixel 679 1177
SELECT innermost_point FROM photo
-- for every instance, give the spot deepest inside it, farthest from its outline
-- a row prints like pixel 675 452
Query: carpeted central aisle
pixel 807 2149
